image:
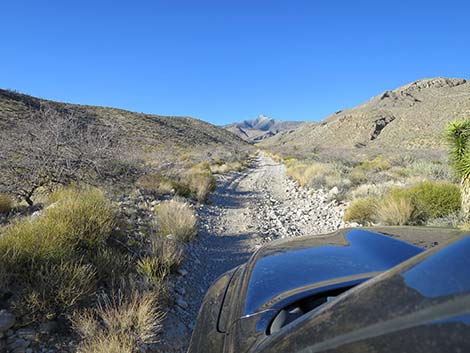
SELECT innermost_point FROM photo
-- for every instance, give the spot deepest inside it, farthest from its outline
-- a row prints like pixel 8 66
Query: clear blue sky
pixel 228 60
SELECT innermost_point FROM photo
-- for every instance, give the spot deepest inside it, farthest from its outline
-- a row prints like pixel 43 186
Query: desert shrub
pixel 163 256
pixel 420 202
pixel 86 217
pixel 200 182
pixel 436 199
pixel 430 170
pixel 176 218
pixel 122 324
pixel 150 268
pixel 316 175
pixel 51 288
pixel 378 164
pixel 358 176
pixel 366 190
pixel 61 148
pixel 157 183
pixel 6 203
pixel 168 251
pixel 226 167
pixel 49 258
pixel 297 172
pixel 362 211
pixel 395 209
pixel 113 265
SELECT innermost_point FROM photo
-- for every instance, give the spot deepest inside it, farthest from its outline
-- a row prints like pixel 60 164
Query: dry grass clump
pixel 120 325
pixel 362 211
pixel 49 259
pixel 176 218
pixel 157 183
pixel 394 210
pixel 200 181
pixel 164 256
pixel 168 251
pixel 378 164
pixel 315 175
pixel 6 203
pixel 226 167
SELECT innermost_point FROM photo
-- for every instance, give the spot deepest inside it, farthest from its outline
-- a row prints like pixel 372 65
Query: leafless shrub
pixel 51 147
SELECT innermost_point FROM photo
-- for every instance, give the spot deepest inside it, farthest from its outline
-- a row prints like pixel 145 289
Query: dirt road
pixel 247 209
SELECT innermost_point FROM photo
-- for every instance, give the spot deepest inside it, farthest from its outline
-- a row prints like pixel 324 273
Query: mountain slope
pixel 261 127
pixel 143 129
pixel 410 117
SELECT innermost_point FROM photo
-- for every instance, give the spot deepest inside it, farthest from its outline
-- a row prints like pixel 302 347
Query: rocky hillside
pixel 142 129
pixel 410 117
pixel 261 127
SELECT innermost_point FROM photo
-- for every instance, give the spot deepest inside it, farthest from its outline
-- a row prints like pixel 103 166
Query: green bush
pixel 418 203
pixel 49 259
pixel 436 199
pixel 362 211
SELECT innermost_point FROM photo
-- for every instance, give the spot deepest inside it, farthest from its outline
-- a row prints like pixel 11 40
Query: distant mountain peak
pixel 261 127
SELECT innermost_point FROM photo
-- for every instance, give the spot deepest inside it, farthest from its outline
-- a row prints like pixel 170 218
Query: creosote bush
pixel 50 259
pixel 177 218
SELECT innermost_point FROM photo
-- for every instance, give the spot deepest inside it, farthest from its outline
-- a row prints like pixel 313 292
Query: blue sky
pixel 229 60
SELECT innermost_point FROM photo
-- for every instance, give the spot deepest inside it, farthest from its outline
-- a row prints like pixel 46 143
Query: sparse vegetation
pixel 398 208
pixel 53 147
pixel 49 259
pixel 418 203
pixel 384 191
pixel 176 218
pixel 362 211
pixel 314 175
pixel 157 183
pixel 6 203
pixel 122 324
pixel 200 181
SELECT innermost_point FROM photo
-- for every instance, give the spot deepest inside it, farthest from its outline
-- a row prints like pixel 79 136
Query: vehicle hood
pixel 421 305
pixel 284 268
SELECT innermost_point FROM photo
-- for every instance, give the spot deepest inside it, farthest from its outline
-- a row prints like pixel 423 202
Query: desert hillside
pixel 260 128
pixel 410 117
pixel 144 129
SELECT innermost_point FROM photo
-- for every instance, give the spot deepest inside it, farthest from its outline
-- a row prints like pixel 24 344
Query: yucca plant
pixel 458 137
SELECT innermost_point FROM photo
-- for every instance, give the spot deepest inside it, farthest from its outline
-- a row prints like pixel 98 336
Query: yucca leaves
pixel 458 137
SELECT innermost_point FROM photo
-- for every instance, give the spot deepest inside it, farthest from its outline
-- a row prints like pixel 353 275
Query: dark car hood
pixel 421 305
pixel 287 266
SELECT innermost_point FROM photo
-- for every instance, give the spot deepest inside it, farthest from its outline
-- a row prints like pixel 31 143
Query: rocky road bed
pixel 247 209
